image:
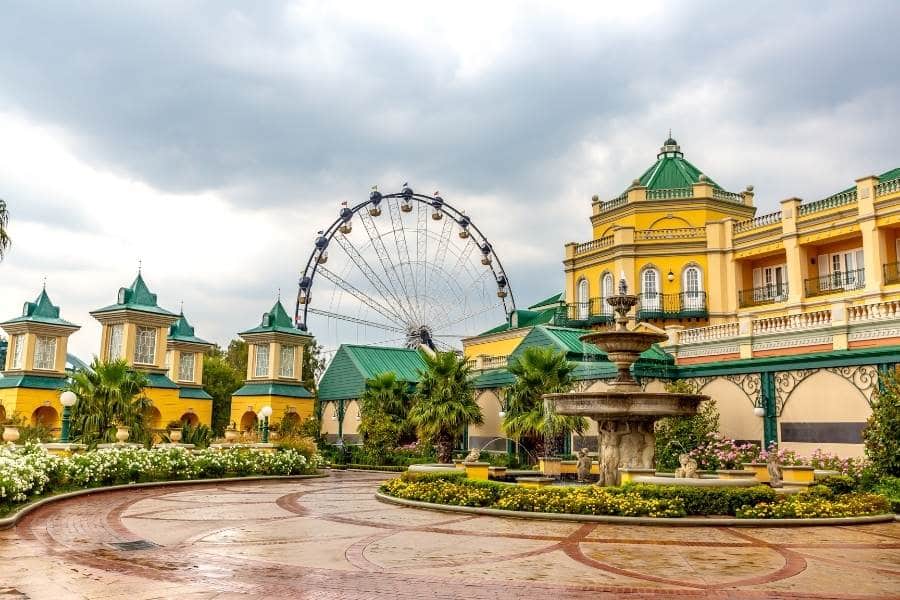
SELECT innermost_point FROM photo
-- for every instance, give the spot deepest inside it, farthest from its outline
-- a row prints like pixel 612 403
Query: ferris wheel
pixel 405 269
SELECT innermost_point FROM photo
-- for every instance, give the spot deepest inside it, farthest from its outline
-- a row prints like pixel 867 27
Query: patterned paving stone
pixel 329 539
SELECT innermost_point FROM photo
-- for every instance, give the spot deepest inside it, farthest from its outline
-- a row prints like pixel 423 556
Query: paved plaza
pixel 329 538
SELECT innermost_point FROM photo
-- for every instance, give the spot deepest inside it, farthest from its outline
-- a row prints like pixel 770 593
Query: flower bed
pixel 29 471
pixel 633 500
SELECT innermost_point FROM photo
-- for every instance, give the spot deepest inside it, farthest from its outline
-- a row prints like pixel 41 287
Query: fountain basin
pixel 626 405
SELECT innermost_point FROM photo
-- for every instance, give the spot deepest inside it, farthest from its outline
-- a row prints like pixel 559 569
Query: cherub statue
pixel 610 435
pixel 648 452
pixel 584 465
pixel 688 468
pixel 473 456
pixel 774 469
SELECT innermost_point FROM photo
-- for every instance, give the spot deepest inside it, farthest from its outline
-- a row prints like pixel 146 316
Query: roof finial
pixel 279 294
pixel 181 309
pixel 140 265
pixel 44 287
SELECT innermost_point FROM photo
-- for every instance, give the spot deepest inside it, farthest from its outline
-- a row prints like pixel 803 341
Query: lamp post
pixel 266 412
pixel 68 400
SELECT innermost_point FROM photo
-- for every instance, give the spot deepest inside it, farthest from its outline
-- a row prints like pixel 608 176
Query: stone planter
pixel 174 435
pixel 760 471
pixel 458 463
pixel 122 434
pixel 534 482
pixel 627 474
pixel 550 467
pixel 736 474
pixel 798 475
pixel 61 449
pixel 231 435
pixel 10 434
pixel 477 470
pixel 497 472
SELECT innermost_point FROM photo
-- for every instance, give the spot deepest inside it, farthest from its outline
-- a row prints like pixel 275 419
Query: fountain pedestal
pixel 625 414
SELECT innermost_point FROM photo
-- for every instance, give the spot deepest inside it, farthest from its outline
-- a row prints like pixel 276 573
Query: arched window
pixel 583 299
pixel 692 286
pixel 650 296
pixel 606 291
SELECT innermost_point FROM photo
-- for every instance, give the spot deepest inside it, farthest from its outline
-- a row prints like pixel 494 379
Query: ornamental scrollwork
pixel 785 383
pixel 863 377
pixel 749 383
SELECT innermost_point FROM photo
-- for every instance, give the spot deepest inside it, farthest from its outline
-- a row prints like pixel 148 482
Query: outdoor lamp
pixel 266 412
pixel 759 411
pixel 68 400
pixel 670 276
pixel 502 413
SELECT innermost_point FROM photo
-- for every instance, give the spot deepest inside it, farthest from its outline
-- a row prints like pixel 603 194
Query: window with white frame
pixel 114 344
pixel 770 283
pixel 692 285
pixel 606 291
pixel 286 369
pixel 842 270
pixel 145 346
pixel 583 299
pixel 186 366
pixel 45 352
pixel 650 297
pixel 261 366
pixel 18 350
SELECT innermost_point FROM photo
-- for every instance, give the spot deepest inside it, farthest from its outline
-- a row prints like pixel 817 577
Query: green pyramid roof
pixel 42 310
pixel 671 170
pixel 276 320
pixel 182 331
pixel 137 297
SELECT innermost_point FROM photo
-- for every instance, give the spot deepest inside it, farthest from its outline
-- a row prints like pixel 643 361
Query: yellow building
pixel 35 368
pixel 274 372
pixel 137 330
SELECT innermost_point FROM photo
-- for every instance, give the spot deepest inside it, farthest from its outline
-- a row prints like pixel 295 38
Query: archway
pixel 249 421
pixel 735 408
pixel 190 418
pixel 46 416
pixel 290 423
pixel 153 417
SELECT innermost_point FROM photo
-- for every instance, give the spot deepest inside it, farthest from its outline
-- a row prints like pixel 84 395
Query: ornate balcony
pixel 836 282
pixel 686 305
pixel 767 294
pixel 585 314
pixel 892 272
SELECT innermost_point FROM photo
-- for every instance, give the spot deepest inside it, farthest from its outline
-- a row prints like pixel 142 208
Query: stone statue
pixel 584 465
pixel 609 452
pixel 631 448
pixel 774 469
pixel 688 468
pixel 473 456
pixel 648 452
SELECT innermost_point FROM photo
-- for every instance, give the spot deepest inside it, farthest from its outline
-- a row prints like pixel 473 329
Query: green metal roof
pixel 137 297
pixel 569 340
pixel 276 320
pixel 525 318
pixel 42 310
pixel 671 170
pixel 194 393
pixel 35 382
pixel 160 380
pixel 553 301
pixel 289 390
pixel 182 331
pixel 833 358
pixel 353 365
pixel 889 175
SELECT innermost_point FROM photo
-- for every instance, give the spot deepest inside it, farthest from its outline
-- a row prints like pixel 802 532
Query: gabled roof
pixel 671 170
pixel 353 365
pixel 525 318
pixel 137 297
pixel 552 301
pixel 276 321
pixel 182 331
pixel 569 340
pixel 42 310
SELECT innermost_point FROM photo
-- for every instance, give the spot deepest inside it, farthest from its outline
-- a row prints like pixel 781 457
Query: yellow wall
pixel 171 407
pixel 25 401
pixel 502 347
pixel 303 407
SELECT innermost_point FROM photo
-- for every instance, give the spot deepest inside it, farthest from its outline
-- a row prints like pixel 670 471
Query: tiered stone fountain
pixel 625 414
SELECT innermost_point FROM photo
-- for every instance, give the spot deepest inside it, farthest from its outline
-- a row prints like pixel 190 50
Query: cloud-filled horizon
pixel 211 140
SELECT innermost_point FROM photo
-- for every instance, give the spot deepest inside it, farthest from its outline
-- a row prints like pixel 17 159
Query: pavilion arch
pixel 248 421
pixel 46 416
pixel 735 407
pixel 677 222
pixel 190 418
pixel 153 417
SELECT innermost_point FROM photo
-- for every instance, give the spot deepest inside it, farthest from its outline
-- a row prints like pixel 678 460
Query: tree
pixel 677 435
pixel 882 432
pixel 220 379
pixel 5 241
pixel 236 355
pixel 444 403
pixel 109 394
pixel 529 418
pixel 384 406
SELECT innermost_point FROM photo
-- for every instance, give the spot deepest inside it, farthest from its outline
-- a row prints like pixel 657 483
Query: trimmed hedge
pixel 705 500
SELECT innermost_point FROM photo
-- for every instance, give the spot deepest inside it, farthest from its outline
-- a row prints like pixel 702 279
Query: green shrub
pixel 678 435
pixel 889 487
pixel 812 505
pixel 882 432
pixel 705 500
pixel 839 484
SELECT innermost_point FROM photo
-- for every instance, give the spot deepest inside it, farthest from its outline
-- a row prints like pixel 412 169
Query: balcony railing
pixel 836 282
pixel 892 272
pixel 686 305
pixel 595 311
pixel 603 242
pixel 767 294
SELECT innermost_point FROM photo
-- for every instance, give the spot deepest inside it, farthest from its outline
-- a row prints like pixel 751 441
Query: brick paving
pixel 329 539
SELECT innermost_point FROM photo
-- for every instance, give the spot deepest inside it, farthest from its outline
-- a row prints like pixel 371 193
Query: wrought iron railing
pixel 838 281
pixel 595 311
pixel 892 272
pixel 767 294
pixel 685 305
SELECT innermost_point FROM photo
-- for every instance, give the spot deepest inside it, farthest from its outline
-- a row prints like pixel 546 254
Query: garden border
pixel 658 521
pixel 12 520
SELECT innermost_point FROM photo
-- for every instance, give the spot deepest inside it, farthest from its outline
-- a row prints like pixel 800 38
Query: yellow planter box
pixel 760 471
pixel 595 468
pixel 735 474
pixel 627 474
pixel 534 482
pixel 477 470
pixel 550 467
pixel 568 467
pixel 797 475
pixel 458 463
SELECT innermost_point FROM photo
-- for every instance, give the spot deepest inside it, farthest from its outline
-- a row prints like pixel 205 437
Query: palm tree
pixel 528 417
pixel 109 394
pixel 444 402
pixel 385 393
pixel 4 222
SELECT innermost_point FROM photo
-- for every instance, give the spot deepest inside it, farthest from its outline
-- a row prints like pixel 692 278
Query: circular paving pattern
pixel 329 538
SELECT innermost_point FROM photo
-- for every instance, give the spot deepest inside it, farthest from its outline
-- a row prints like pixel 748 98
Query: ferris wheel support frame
pixel 463 221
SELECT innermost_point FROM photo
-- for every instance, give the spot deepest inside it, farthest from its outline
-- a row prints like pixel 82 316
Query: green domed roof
pixel 671 170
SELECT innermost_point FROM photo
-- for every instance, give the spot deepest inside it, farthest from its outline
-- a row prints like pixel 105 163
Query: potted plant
pixel 11 430
pixel 231 434
pixel 121 433
pixel 174 428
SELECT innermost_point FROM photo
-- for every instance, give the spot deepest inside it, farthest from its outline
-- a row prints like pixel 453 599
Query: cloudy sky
pixel 210 140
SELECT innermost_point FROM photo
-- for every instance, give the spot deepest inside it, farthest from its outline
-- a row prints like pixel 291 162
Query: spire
pixel 670 148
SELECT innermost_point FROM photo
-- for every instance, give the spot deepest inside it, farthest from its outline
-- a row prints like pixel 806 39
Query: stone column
pixel 795 255
pixel 873 239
